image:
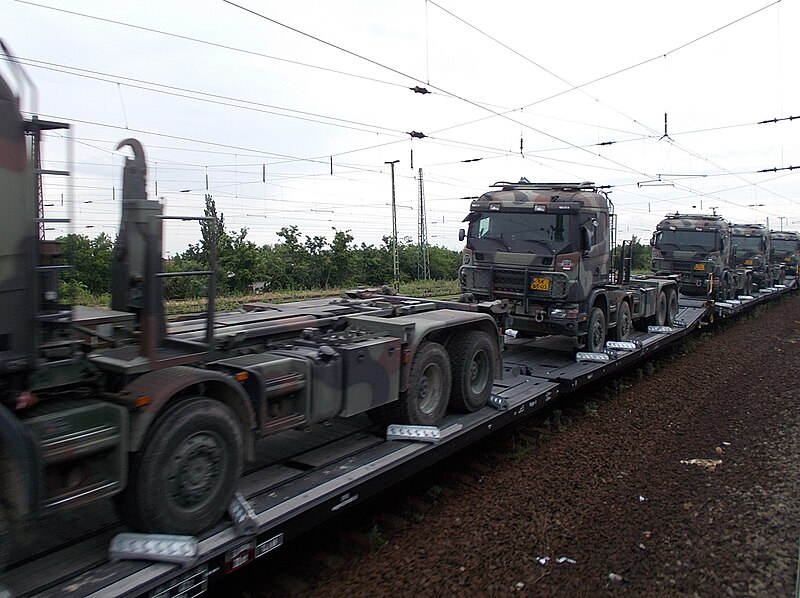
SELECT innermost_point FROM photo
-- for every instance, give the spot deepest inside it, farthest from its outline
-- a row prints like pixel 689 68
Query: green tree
pixel 241 262
pixel 640 255
pixel 444 262
pixel 296 265
pixel 91 259
pixel 341 259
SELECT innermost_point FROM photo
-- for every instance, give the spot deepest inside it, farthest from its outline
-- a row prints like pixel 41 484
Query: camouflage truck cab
pixel 752 254
pixel 543 246
pixel 546 247
pixel 698 248
pixel 786 249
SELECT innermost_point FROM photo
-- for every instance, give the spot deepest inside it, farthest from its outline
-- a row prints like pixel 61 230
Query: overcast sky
pixel 257 98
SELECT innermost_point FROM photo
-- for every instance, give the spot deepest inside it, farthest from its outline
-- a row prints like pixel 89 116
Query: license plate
pixel 699 266
pixel 748 262
pixel 540 284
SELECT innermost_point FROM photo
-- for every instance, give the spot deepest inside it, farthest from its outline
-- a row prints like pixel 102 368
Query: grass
pixel 174 307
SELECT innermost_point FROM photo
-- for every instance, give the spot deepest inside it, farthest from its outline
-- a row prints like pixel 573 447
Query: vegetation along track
pixel 602 496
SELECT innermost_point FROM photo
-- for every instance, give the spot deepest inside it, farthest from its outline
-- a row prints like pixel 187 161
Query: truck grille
pixel 507 283
pixel 682 266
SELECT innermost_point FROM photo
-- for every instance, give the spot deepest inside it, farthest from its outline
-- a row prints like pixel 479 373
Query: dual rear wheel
pixel 459 375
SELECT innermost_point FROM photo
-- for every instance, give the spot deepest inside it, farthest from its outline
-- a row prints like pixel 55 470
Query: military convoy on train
pixel 753 256
pixel 714 258
pixel 547 248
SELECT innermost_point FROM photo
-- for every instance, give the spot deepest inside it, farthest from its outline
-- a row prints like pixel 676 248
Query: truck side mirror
pixel 461 234
pixel 586 239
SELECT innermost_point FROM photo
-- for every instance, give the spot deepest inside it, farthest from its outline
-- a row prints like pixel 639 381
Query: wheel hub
pixel 429 391
pixel 195 468
pixel 478 372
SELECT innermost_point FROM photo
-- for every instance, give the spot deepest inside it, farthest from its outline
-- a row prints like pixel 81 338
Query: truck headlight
pixel 564 312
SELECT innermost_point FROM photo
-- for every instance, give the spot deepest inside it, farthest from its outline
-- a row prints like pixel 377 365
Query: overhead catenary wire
pixel 374 62
pixel 429 176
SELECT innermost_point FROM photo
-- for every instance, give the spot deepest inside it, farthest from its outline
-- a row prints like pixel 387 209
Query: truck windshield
pixel 748 244
pixel 785 245
pixel 686 240
pixel 519 232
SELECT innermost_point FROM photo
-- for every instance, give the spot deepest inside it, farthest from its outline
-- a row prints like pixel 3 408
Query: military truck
pixel 753 257
pixel 162 415
pixel 547 248
pixel 786 249
pixel 699 249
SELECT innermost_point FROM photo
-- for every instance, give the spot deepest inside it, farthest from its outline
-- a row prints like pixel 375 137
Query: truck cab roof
pixel 542 197
pixel 693 222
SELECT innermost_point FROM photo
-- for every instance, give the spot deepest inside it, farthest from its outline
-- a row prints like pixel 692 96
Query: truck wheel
pixel 473 356
pixel 425 401
pixel 183 478
pixel 658 318
pixel 596 331
pixel 622 331
pixel 672 308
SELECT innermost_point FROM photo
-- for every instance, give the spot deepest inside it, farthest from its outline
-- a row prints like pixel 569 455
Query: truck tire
pixel 672 307
pixel 622 331
pixel 425 401
pixel 596 331
pixel 473 356
pixel 660 316
pixel 183 478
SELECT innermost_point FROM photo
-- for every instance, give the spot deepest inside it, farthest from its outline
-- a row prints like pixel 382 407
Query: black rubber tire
pixel 429 381
pixel 596 331
pixel 658 318
pixel 622 331
pixel 672 307
pixel 183 478
pixel 473 358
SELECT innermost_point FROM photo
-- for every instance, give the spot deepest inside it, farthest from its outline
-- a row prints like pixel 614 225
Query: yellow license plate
pixel 699 266
pixel 748 262
pixel 540 284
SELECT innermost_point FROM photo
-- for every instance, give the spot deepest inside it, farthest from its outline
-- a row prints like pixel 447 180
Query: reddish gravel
pixel 611 492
